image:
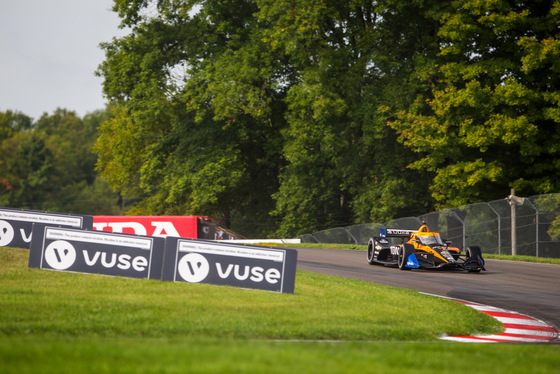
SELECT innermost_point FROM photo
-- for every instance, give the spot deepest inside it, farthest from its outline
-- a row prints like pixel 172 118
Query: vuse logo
pixel 60 255
pixel 193 267
pixel 6 233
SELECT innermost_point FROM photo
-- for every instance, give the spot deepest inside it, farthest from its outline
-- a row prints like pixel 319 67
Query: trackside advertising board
pixel 192 227
pixel 245 266
pixel 179 226
pixel 95 252
pixel 16 226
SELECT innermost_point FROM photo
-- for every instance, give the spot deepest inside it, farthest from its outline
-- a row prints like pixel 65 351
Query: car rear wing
pixel 395 233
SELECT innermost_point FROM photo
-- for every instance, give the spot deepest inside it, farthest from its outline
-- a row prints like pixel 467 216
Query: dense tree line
pixel 49 164
pixel 286 117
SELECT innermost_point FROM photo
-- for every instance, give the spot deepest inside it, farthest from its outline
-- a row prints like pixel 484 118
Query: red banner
pixel 178 226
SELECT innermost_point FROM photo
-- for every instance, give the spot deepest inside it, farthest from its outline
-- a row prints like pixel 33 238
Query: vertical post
pixel 513 223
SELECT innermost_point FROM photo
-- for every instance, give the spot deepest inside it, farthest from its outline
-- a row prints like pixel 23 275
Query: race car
pixel 421 249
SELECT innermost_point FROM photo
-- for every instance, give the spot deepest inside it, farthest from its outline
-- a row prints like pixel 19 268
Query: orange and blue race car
pixel 421 249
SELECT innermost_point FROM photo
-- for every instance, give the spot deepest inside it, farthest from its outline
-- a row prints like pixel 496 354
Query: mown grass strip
pixel 20 355
pixel 539 260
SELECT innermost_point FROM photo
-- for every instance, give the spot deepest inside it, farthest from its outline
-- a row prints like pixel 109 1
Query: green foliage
pixel 197 112
pixel 285 117
pixel 49 165
pixel 341 157
pixel 304 115
pixel 490 122
pixel 12 123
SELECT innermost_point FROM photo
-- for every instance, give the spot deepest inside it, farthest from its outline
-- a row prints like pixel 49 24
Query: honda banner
pixel 178 226
pixel 193 227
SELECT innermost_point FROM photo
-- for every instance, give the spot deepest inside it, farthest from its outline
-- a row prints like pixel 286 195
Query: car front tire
pixel 405 250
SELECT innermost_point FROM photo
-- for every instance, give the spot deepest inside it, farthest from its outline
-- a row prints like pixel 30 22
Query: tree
pixel 184 136
pixel 491 119
pixel 26 166
pixel 326 113
pixel 13 122
pixel 49 164
pixel 352 59
pixel 244 108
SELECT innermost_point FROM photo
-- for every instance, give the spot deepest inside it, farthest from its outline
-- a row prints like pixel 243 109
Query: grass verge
pixel 540 260
pixel 63 322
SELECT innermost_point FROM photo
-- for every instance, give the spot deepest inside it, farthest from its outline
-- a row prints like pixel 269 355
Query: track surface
pixel 527 288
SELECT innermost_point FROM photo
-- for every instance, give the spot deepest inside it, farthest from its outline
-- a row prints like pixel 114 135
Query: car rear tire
pixel 370 252
pixel 405 250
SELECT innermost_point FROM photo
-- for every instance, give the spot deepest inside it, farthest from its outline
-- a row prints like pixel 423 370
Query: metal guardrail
pixel 487 225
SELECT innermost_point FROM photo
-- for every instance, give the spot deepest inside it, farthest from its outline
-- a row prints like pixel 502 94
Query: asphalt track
pixel 527 288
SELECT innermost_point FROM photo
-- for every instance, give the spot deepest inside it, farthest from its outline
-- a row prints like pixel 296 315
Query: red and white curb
pixel 518 328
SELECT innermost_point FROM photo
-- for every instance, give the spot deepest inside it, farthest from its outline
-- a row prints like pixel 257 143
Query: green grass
pixel 190 355
pixel 323 308
pixel 55 322
pixel 540 260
